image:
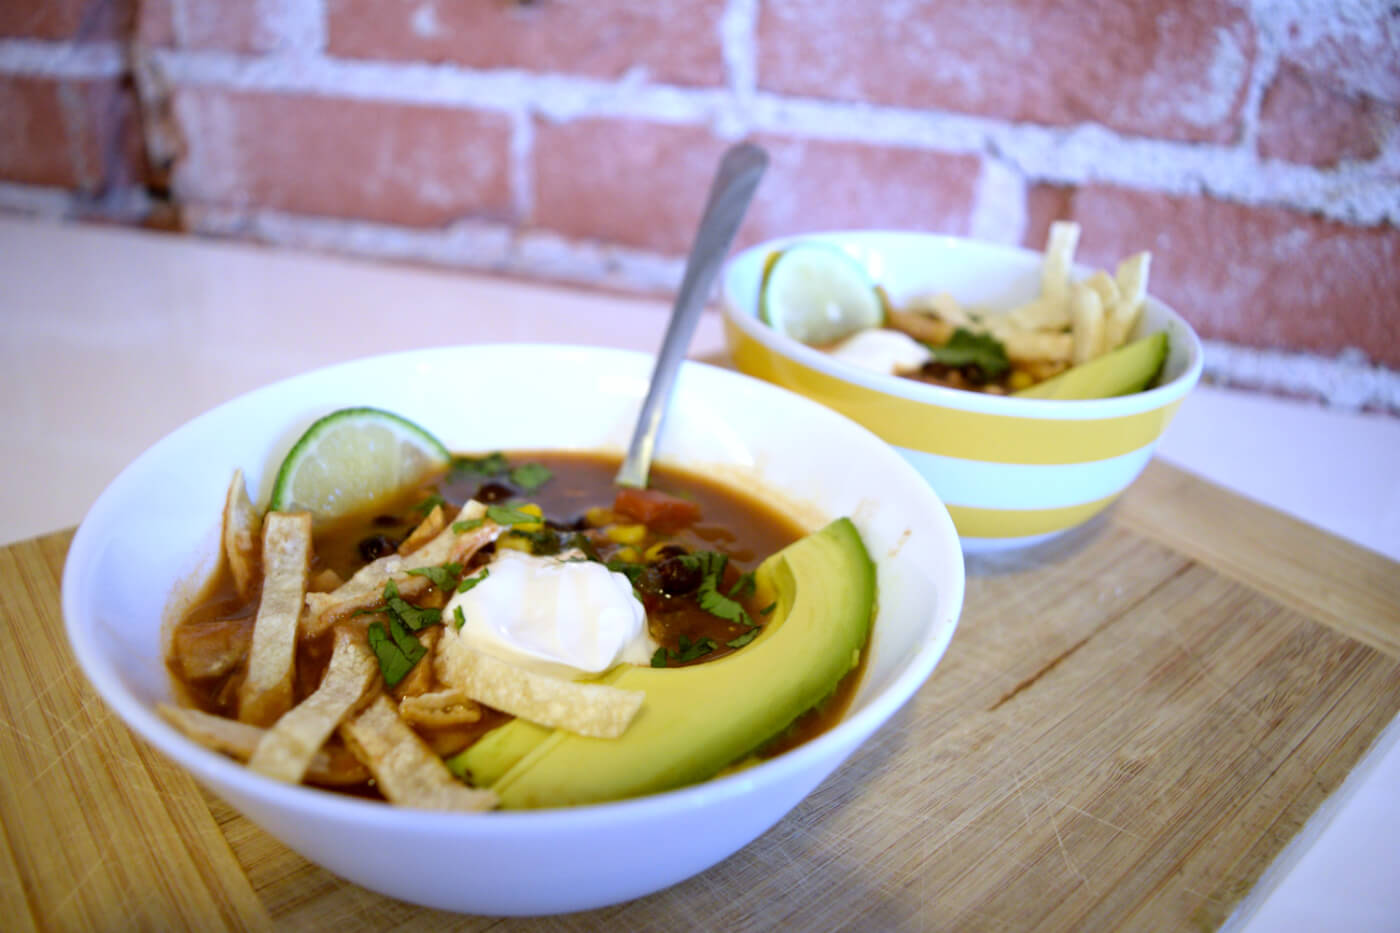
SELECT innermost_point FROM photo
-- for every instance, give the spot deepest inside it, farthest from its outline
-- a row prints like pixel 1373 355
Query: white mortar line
pixel 1357 194
pixel 1346 381
pixel 35 200
pixel 522 181
pixel 999 205
pixel 77 61
pixel 738 27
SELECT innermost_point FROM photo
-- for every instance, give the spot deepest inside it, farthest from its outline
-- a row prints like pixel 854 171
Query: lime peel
pixel 818 294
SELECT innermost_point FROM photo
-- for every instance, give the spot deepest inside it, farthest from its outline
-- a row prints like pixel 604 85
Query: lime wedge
pixel 353 458
pixel 817 294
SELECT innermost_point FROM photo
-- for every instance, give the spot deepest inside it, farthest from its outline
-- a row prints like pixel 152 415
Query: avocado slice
pixel 697 720
pixel 1130 368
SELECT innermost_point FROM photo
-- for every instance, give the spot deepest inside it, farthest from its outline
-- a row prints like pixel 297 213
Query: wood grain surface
pixel 1129 725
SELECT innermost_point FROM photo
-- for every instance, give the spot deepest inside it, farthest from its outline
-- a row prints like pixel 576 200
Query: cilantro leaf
pixel 430 503
pixel 711 564
pixel 444 576
pixel 467 524
pixel 531 476
pixel 583 543
pixel 631 571
pixel 504 515
pixel 743 639
pixel 459 618
pixel 691 651
pixel 405 613
pixel 397 651
pixel 768 608
pixel 966 348
pixel 659 658
pixel 469 582
pixel 742 587
pixel 492 464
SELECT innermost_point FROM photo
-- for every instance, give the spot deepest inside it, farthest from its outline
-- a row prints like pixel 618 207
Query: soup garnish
pixel 466 639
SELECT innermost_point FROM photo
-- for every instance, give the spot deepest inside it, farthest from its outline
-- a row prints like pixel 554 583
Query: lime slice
pixel 817 294
pixel 353 458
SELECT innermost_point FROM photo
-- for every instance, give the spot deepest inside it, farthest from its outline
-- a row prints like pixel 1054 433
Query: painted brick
pixel 643 185
pixel 1155 68
pixel 1307 118
pixel 68 134
pixel 392 163
pixel 65 19
pixel 246 26
pixel 675 42
pixel 1258 276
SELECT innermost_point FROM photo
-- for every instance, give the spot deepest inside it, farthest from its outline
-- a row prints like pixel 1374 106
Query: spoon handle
pixel 734 185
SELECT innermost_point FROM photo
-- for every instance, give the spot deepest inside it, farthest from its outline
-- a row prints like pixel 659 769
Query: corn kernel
pixel 530 509
pixel 627 534
pixel 598 516
pixel 628 555
pixel 514 542
pixel 653 553
pixel 1020 379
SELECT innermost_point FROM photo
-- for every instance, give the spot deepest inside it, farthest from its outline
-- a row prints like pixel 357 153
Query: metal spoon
pixel 734 185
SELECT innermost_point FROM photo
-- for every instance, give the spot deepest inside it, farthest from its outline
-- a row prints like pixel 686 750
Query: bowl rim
pixel 746 319
pixel 223 772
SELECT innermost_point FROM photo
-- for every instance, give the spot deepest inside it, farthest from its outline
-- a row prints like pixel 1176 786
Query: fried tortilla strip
pixel 440 708
pixel 405 768
pixel 285 751
pixel 239 740
pixel 596 710
pixel 945 307
pixel 427 529
pixel 266 693
pixel 365 589
pixel 1033 345
pixel 921 326
pixel 1132 288
pixel 241 536
pixel 1087 314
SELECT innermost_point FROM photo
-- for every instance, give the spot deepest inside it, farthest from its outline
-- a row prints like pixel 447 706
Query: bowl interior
pixel 153 534
pixel 977 274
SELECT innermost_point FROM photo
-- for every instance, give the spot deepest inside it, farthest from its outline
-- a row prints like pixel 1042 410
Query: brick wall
pixel 1253 146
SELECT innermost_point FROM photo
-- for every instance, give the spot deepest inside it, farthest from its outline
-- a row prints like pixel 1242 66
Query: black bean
pixel 376 546
pixel 492 491
pixel 678 578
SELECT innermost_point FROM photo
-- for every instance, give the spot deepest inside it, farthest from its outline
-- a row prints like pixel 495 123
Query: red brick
pixel 1309 119
pixel 643 185
pixel 68 134
pixel 675 42
pixel 244 26
pixel 65 19
pixel 1257 276
pixel 1157 68
pixel 393 163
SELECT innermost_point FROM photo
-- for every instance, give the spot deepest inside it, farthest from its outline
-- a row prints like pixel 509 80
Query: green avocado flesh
pixel 697 720
pixel 1130 368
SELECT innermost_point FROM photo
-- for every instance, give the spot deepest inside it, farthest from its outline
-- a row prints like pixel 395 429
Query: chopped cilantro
pixel 397 651
pixel 402 611
pixel 966 348
pixel 768 608
pixel 490 465
pixel 742 587
pixel 659 658
pixel 712 564
pixel 459 618
pixel 543 542
pixel 469 582
pixel 583 543
pixel 743 639
pixel 444 576
pixel 531 476
pixel 430 503
pixel 632 571
pixel 504 515
pixel 688 651
pixel 467 524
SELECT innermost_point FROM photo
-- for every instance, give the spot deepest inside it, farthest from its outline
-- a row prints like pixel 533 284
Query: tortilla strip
pixel 239 740
pixel 585 709
pixel 285 751
pixel 240 536
pixel 922 326
pixel 442 708
pixel 365 589
pixel 427 529
pixel 405 768
pixel 266 693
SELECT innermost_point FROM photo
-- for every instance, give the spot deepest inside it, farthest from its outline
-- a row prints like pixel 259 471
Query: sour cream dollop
pixel 542 613
pixel 883 351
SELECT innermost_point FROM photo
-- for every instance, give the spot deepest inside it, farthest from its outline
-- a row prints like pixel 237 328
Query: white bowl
pixel 155 529
pixel 1012 471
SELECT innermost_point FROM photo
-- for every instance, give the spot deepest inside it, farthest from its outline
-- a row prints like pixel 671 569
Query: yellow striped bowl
pixel 1012 471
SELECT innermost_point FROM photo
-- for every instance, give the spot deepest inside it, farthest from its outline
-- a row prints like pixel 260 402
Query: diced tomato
pixel 656 510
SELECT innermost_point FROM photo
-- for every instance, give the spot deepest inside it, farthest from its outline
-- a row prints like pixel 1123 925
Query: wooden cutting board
pixel 1129 725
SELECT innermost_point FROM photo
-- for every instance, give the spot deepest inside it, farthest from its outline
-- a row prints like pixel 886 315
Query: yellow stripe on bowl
pixel 1022 523
pixel 949 432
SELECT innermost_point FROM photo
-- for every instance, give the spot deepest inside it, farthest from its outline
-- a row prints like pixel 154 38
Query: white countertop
pixel 119 336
